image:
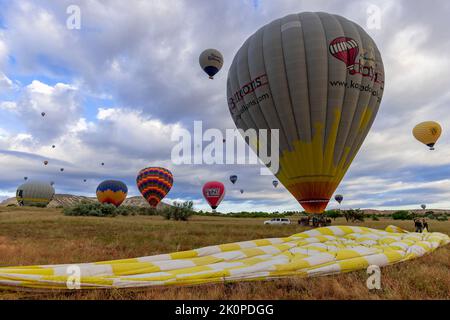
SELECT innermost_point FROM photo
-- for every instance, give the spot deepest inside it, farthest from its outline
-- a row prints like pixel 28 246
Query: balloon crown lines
pixel 237 146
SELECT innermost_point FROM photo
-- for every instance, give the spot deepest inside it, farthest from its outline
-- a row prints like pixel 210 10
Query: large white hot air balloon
pixel 319 79
pixel 35 194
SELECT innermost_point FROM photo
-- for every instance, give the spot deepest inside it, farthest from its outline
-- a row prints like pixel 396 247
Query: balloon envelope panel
pixel 317 78
pixel 154 183
pixel 112 191
pixel 35 194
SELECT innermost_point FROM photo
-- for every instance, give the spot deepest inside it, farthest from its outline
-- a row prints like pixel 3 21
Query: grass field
pixel 45 236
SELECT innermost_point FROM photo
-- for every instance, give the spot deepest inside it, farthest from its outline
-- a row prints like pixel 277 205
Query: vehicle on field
pixel 278 221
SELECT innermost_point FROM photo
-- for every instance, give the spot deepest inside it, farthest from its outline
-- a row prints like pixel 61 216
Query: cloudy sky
pixel 115 91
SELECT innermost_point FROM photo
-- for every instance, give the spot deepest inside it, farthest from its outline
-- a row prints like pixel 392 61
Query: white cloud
pixel 5 82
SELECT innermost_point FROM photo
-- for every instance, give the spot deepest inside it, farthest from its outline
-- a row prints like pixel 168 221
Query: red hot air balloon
pixel 214 192
pixel 154 183
pixel 346 50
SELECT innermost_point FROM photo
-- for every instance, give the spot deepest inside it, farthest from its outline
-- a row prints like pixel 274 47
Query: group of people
pixel 316 221
pixel 421 225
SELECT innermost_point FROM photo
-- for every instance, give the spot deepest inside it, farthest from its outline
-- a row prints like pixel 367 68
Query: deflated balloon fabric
pixel 318 252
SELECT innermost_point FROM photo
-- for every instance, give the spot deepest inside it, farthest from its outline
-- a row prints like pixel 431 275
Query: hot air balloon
pixel 211 62
pixel 423 206
pixel 275 183
pixel 52 183
pixel 317 78
pixel 25 178
pixel 214 192
pixel 154 183
pixel 242 191
pixel 62 169
pixel 45 162
pixel 53 146
pixel 43 114
pixel 112 191
pixel 35 194
pixel 103 163
pixel 339 198
pixel 233 179
pixel 84 180
pixel 428 133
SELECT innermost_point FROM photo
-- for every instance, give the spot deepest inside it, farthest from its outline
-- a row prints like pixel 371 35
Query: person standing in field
pixel 425 225
pixel 418 225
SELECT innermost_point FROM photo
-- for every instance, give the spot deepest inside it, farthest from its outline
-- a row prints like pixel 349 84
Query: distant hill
pixel 418 211
pixel 67 200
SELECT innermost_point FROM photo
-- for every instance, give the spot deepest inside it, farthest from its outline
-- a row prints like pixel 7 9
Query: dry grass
pixel 45 236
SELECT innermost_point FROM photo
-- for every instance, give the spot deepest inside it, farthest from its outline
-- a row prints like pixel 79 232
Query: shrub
pixel 402 215
pixel 145 211
pixel 38 205
pixel 333 214
pixel 179 211
pixel 93 209
pixel 166 213
pixel 375 218
pixel 442 218
pixel 354 215
pixel 12 205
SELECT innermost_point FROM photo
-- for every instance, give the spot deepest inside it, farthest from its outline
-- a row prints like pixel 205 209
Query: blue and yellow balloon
pixel 112 191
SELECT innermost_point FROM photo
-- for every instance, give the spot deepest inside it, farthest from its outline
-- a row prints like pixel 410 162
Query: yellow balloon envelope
pixel 428 133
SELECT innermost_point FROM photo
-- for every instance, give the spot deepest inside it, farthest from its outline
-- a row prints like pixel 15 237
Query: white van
pixel 278 221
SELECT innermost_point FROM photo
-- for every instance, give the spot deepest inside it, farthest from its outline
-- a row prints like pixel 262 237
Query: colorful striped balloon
pixel 112 191
pixel 154 183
